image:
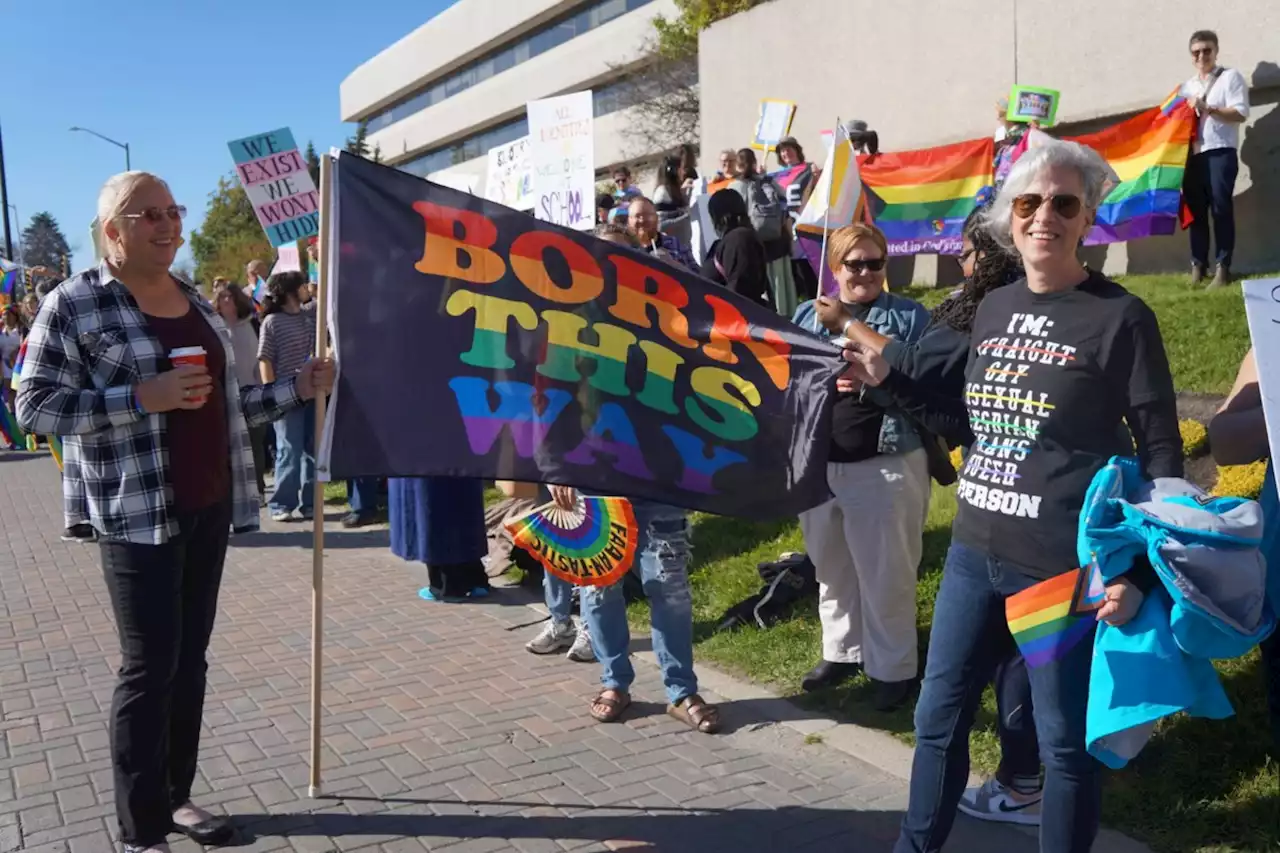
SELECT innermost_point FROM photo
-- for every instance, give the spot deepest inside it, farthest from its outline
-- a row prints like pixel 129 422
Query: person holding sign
pixel 1238 436
pixel 1220 97
pixel 138 374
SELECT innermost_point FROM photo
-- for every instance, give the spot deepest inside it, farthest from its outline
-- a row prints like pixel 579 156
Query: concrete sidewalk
pixel 441 731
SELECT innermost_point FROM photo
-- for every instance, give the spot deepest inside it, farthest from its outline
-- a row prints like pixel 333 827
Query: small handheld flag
pixel 1049 619
pixel 593 544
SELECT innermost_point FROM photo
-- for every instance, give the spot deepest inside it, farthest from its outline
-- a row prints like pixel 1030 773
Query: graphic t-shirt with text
pixel 1051 378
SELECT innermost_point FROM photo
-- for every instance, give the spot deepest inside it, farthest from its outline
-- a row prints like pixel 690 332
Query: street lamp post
pixel 124 145
pixel 17 217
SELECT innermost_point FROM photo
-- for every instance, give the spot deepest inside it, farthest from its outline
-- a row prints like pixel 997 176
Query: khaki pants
pixel 865 544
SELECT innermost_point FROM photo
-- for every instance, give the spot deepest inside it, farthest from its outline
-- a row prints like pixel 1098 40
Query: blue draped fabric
pixel 437 520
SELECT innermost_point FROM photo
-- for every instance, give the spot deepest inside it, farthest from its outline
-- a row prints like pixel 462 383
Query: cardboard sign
pixel 510 177
pixel 773 124
pixel 1032 103
pixel 1262 305
pixel 275 176
pixel 562 137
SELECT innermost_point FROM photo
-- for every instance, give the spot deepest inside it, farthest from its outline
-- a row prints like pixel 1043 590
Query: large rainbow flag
pixel 1149 154
pixel 920 198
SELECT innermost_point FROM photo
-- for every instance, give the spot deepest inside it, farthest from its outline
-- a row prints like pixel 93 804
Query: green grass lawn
pixel 1198 786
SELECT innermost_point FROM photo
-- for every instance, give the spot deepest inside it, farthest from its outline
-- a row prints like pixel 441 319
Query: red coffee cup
pixel 188 355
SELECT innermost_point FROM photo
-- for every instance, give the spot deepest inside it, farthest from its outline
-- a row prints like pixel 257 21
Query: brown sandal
pixel 695 713
pixel 615 708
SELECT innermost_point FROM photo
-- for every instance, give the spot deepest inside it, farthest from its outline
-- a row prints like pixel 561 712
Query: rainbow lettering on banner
pixel 920 199
pixel 530 352
pixel 1049 619
pixel 276 179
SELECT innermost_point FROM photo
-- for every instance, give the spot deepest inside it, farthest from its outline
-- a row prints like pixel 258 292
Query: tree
pixel 313 163
pixel 663 88
pixel 678 37
pixel 230 236
pixel 43 243
pixel 359 144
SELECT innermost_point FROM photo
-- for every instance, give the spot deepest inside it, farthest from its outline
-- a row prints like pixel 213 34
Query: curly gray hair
pixel 1096 175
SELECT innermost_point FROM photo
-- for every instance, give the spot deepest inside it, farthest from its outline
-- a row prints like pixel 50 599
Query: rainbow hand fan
pixel 593 544
pixel 1050 618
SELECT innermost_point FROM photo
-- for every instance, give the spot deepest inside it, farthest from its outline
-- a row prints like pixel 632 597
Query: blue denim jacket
pixel 894 317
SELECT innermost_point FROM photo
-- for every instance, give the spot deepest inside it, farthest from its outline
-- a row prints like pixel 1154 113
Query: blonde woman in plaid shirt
pixel 161 458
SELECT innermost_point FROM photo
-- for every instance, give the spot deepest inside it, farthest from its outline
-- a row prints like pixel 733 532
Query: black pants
pixel 1208 185
pixel 165 598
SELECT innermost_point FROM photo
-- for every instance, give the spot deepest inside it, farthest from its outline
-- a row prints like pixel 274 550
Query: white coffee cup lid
pixel 181 351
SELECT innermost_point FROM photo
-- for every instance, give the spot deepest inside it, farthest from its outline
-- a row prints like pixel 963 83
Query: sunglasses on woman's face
pixel 966 255
pixel 1066 206
pixel 865 265
pixel 153 215
pixel 1201 51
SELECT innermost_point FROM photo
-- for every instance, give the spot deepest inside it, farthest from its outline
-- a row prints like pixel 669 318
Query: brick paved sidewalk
pixel 442 733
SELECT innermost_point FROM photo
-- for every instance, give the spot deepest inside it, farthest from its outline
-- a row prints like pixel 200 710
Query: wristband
pixel 844 330
pixel 137 405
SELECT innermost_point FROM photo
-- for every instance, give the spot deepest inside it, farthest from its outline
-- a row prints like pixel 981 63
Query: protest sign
pixel 562 151
pixel 288 259
pixel 773 124
pixel 279 186
pixel 1262 305
pixel 1032 103
pixel 476 341
pixel 510 177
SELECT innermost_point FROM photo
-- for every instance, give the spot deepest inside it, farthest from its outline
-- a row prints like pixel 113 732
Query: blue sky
pixel 176 81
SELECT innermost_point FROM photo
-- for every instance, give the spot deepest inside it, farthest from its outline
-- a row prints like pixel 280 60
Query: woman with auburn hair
pixel 866 541
pixel 158 452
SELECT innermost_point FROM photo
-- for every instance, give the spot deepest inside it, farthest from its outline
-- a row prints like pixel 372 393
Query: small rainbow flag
pixel 11 435
pixel 55 449
pixel 1171 103
pixel 10 274
pixel 1051 618
pixel 920 199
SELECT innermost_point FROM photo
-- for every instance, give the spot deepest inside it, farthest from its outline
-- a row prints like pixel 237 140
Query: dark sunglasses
pixel 157 214
pixel 965 256
pixel 867 265
pixel 1207 51
pixel 1066 206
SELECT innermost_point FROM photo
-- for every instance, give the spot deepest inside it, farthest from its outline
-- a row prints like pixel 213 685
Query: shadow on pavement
pixel 665 829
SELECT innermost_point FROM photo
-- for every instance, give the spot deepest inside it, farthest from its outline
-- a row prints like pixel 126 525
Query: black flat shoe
pixel 891 695
pixel 829 674
pixel 210 833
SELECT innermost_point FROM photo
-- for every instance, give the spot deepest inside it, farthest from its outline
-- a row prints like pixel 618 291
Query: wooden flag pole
pixel 317 523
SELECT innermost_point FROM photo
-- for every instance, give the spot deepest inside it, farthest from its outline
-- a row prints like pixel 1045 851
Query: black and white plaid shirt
pixel 88 351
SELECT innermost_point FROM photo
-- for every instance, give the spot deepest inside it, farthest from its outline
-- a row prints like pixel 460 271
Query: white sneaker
pixel 993 801
pixel 555 636
pixel 581 651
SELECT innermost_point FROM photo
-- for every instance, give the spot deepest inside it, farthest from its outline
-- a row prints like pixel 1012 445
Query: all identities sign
pixel 280 188
pixel 562 149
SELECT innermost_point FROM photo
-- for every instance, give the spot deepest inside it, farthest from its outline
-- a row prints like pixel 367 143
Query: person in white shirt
pixel 1220 97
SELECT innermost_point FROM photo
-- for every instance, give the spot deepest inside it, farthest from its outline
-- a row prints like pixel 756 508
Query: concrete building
pixel 441 97
pixel 923 73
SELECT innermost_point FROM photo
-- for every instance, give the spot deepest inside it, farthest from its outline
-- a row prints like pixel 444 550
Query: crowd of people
pixel 1041 368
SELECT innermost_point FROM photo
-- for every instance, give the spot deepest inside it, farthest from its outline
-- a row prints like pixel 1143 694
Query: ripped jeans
pixel 662 560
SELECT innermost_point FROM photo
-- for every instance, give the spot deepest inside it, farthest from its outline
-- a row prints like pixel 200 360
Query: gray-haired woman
pixel 159 453
pixel 1060 361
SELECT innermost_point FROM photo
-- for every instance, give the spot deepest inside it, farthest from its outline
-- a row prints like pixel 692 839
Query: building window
pixel 605 100
pixel 541 40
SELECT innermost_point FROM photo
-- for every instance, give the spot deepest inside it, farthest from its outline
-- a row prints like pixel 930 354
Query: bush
pixel 1195 437
pixel 1240 481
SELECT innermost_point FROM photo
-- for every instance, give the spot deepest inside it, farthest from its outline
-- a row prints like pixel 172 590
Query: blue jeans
pixel 1016 728
pixel 295 462
pixel 969 638
pixel 362 494
pixel 662 561
pixel 558 594
pixel 1209 185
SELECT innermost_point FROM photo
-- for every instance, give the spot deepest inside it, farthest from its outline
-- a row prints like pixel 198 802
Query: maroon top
pixel 199 444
